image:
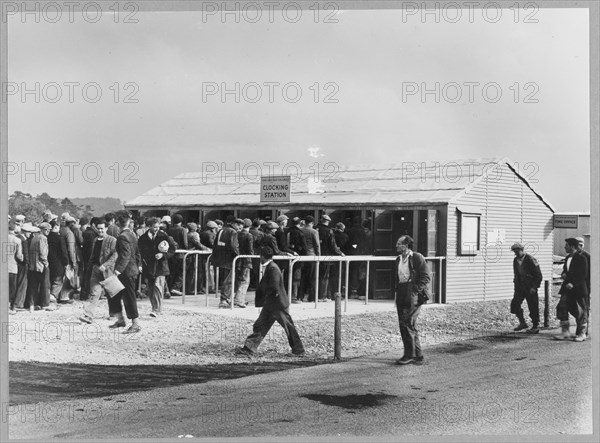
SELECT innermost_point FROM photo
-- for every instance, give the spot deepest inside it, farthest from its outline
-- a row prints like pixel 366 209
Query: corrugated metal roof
pixel 399 183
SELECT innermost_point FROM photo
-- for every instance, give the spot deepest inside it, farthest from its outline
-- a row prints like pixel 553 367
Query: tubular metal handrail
pixel 320 258
pixel 195 252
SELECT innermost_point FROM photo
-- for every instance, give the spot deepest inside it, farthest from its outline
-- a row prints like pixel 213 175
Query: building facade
pixel 463 215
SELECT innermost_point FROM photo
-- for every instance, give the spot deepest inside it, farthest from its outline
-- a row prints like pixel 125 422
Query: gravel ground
pixel 187 338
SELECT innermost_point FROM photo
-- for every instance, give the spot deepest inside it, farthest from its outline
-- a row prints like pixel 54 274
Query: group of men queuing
pixel 61 259
pixel 289 237
pixel 574 291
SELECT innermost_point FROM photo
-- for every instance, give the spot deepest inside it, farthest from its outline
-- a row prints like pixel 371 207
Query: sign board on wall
pixel 275 188
pixel 566 221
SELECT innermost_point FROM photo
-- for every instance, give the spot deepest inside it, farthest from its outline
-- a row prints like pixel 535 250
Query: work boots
pixel 564 334
pixel 522 325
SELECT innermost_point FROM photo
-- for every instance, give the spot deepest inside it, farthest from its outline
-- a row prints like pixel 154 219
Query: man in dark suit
pixel 412 277
pixel 225 250
pixel 127 268
pixel 328 284
pixel 527 280
pixel 586 254
pixel 155 250
pixel 179 234
pixel 272 298
pixel 573 293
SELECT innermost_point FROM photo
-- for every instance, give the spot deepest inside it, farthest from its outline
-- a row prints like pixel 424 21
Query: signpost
pixel 275 188
pixel 566 221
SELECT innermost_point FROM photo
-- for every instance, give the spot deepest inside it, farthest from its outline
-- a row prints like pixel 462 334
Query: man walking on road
pixel 127 268
pixel 412 290
pixel 586 254
pixel 272 298
pixel 573 293
pixel 102 264
pixel 527 280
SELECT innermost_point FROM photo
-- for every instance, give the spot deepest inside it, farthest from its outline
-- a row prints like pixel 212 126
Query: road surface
pixel 515 384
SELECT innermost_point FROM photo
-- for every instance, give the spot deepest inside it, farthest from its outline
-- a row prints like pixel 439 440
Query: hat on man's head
pixel 64 215
pixel 70 219
pixel 52 217
pixel 579 239
pixel 281 218
pixel 44 225
pixel 272 225
pixel 247 223
pixel 20 218
pixel 166 218
pixel 192 226
pixel 218 222
pixel 27 227
pixel 516 246
pixel 340 226
pixel 261 222
pixel 211 224
pixel 177 218
pixel 325 217
pixel 572 241
pixel 295 221
pixel 238 221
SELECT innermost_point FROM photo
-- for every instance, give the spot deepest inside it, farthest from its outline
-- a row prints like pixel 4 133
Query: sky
pixel 348 87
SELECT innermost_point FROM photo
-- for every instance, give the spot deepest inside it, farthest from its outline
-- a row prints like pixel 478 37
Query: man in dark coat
pixel 313 248
pixel 225 250
pixel 297 243
pixel 272 298
pixel 527 280
pixel 179 234
pixel 89 235
pixel 127 268
pixel 244 265
pixel 412 279
pixel 58 260
pixel 573 293
pixel 586 255
pixel 328 279
pixel 155 250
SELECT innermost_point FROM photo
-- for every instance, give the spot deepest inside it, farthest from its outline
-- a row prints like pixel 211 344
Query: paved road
pixel 526 385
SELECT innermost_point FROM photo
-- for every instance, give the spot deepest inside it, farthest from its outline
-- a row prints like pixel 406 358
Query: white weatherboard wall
pixel 508 205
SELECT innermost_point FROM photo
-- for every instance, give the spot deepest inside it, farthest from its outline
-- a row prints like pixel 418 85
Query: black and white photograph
pixel 299 220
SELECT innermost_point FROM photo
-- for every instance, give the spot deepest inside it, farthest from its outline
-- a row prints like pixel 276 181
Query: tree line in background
pixel 33 207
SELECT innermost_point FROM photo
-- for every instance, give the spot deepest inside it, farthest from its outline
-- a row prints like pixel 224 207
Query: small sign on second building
pixel 275 188
pixel 566 221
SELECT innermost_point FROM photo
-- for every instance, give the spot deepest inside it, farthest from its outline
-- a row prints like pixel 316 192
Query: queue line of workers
pixel 54 260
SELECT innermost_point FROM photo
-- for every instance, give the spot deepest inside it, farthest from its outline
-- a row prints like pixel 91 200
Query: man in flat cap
pixel 573 293
pixel 329 283
pixel 244 265
pixel 527 280
pixel 586 255
pixel 225 250
pixel 271 296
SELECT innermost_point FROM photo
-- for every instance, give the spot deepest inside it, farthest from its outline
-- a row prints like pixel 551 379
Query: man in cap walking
pixel 586 255
pixel 527 280
pixel 573 293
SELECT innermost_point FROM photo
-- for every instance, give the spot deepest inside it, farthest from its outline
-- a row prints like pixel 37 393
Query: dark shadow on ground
pixel 33 382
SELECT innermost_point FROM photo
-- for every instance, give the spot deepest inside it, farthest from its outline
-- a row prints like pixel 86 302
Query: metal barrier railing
pixel 197 253
pixel 345 259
